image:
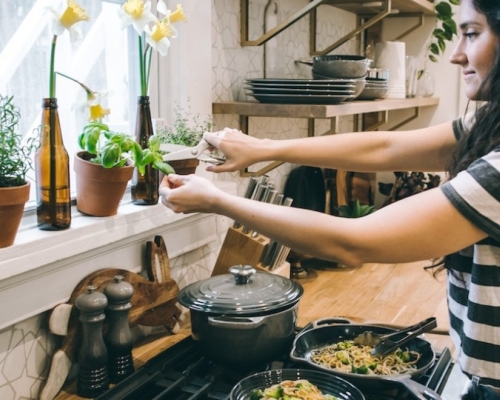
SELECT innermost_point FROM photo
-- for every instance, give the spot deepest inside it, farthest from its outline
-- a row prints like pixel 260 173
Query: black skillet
pixel 317 335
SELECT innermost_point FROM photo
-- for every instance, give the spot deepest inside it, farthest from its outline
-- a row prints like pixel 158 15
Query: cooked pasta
pixel 347 357
pixel 300 389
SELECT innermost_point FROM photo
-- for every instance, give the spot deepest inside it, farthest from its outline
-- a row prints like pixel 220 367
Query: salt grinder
pixel 93 377
pixel 118 338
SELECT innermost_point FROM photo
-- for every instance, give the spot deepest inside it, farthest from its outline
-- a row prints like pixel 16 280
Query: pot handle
pixel 239 323
pixel 327 322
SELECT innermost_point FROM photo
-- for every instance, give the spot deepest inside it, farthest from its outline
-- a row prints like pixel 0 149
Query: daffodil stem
pixel 148 54
pixel 85 87
pixel 144 89
pixel 52 78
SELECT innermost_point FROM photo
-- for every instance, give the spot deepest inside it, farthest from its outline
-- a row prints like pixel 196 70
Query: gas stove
pixel 182 373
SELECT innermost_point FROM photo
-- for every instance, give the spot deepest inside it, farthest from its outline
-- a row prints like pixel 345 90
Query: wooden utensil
pixel 157 261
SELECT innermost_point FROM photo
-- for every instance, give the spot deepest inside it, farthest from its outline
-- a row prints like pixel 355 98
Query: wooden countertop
pixel 400 295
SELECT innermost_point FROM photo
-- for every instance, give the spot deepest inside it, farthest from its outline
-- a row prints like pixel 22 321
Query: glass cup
pixel 411 76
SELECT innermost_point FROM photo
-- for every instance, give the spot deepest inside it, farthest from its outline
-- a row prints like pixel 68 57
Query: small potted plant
pixel 186 130
pixel 106 164
pixel 15 162
pixel 355 209
pixel 407 184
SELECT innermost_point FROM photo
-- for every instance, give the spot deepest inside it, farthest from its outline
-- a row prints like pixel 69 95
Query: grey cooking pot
pixel 339 66
pixel 243 319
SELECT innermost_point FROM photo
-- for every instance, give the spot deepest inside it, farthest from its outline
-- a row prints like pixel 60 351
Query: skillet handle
pixel 417 390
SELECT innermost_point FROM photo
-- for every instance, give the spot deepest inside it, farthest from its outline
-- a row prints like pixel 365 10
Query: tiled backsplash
pixel 26 347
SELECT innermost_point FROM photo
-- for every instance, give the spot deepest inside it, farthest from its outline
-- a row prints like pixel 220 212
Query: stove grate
pixel 182 373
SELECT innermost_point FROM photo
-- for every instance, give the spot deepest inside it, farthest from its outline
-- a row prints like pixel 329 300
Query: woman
pixel 459 219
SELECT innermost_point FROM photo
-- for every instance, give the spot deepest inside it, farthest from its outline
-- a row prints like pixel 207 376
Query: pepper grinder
pixel 93 377
pixel 118 338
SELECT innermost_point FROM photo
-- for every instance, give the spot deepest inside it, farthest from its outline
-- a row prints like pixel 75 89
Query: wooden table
pixel 400 294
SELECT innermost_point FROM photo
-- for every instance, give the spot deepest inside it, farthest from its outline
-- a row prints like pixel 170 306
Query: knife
pixel 271 247
pixel 267 197
pixel 257 194
pixel 248 194
pixel 281 250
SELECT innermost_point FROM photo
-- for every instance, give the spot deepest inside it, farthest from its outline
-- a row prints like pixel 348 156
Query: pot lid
pixel 242 292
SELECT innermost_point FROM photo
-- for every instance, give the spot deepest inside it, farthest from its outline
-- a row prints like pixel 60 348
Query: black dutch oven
pixel 325 332
pixel 243 319
pixel 328 384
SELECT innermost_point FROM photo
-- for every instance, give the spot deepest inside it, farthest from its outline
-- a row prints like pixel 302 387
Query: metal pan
pixel 318 335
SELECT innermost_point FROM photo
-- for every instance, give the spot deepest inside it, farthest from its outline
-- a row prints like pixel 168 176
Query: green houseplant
pixel 107 161
pixel 15 162
pixel 355 209
pixel 445 30
pixel 407 184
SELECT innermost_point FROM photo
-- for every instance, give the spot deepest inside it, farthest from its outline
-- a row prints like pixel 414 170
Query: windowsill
pixel 42 267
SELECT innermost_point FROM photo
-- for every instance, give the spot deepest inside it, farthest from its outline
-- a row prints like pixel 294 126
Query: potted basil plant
pixel 106 164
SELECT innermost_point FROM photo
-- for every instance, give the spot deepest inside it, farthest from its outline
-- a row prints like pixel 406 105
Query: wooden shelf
pixel 255 109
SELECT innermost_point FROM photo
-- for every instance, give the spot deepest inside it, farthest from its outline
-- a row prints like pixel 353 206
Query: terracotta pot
pixel 12 201
pixel 182 167
pixel 99 190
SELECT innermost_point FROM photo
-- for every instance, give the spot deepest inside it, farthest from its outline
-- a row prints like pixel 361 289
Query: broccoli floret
pixel 256 394
pixel 363 370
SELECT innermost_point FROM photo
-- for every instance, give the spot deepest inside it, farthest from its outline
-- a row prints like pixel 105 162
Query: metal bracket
pixel 313 23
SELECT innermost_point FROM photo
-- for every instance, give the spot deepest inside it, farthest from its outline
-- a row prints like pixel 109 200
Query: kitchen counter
pixel 400 294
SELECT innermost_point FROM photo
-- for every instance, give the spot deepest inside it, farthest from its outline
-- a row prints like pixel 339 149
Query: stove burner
pixel 182 373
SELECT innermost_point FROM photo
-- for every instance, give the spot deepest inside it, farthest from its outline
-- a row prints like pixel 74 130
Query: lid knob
pixel 242 273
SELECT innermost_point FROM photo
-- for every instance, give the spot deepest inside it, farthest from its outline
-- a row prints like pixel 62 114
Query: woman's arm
pixel 426 149
pixel 423 226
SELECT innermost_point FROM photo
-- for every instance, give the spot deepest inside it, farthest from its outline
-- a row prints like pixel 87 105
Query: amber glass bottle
pixel 144 187
pixel 52 173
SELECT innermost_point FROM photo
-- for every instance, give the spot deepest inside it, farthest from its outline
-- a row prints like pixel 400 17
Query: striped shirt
pixel 474 281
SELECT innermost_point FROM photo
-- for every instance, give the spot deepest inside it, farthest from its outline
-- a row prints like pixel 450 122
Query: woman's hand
pixel 188 193
pixel 239 149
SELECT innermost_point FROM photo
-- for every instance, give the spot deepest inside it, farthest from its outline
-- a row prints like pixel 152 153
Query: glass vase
pixel 52 173
pixel 144 187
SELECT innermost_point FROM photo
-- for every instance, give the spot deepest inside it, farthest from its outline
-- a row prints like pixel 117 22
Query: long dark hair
pixel 484 133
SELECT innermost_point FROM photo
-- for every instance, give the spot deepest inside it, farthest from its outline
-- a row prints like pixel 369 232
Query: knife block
pixel 241 248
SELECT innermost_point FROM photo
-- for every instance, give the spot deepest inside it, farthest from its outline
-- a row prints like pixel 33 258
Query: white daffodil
pixel 157 38
pixel 67 20
pixel 172 16
pixel 96 111
pixel 136 12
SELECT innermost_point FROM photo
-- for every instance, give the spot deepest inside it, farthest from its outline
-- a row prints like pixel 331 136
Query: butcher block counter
pixel 391 294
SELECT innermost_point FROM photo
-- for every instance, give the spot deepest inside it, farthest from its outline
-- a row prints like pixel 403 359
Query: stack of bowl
pixel 341 67
pixel 377 84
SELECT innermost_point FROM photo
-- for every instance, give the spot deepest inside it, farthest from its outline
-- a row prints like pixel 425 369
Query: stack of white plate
pixel 302 91
pixel 375 88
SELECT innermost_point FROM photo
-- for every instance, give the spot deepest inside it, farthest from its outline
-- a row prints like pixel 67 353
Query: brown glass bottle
pixel 144 187
pixel 52 173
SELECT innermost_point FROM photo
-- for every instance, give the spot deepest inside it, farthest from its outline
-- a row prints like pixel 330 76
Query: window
pixel 104 59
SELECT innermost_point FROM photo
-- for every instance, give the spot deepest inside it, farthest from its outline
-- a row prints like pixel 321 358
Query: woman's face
pixel 475 51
